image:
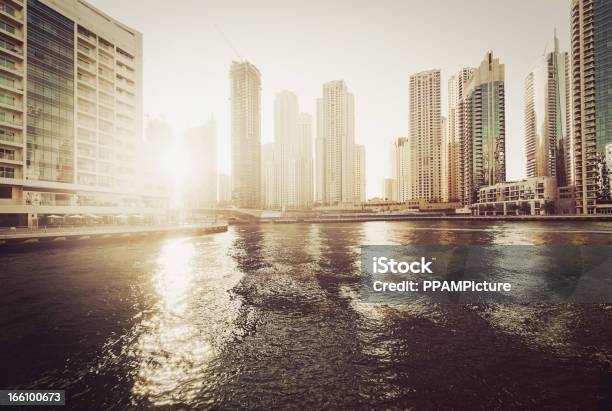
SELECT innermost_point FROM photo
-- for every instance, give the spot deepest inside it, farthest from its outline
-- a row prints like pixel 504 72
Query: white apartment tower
pixel 425 123
pixel 548 116
pixel 245 82
pixel 285 141
pixel 456 92
pixel 293 145
pixel 304 163
pixel 360 174
pixel 444 160
pixel 335 145
pixel 403 176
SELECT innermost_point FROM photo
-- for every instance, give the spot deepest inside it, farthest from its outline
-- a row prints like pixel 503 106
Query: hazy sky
pixel 299 45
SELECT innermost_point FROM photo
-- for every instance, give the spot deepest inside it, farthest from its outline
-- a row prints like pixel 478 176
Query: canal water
pixel 269 317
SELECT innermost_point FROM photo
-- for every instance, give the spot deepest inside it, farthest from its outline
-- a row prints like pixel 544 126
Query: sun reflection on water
pixel 170 351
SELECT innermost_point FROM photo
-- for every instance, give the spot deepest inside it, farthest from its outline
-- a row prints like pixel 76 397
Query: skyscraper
pixel 304 162
pixel 285 142
pixel 403 175
pixel 425 125
pixel 335 145
pixel 483 115
pixel 71 118
pixel 359 174
pixel 548 117
pixel 293 145
pixel 444 160
pixel 456 90
pixel 592 102
pixel 245 98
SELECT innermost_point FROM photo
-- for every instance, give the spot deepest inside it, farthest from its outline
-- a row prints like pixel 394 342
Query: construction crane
pixel 229 43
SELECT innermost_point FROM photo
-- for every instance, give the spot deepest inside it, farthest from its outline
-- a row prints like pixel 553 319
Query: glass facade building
pixel 483 131
pixel 602 21
pixel 71 139
pixel 591 23
pixel 50 95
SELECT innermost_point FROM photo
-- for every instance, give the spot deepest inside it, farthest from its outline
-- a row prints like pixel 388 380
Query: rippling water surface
pixel 269 317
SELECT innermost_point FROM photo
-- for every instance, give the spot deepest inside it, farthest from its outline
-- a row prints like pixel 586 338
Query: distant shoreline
pixel 361 218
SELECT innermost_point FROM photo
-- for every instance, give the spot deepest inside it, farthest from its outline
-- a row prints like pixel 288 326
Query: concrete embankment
pixel 76 235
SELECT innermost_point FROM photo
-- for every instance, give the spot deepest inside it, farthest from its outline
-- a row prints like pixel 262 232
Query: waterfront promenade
pixel 10 236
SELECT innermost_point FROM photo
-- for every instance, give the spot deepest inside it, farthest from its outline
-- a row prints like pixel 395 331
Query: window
pixel 7 27
pixel 7 172
pixel 7 9
pixel 8 45
pixel 7 153
pixel 8 63
pixel 6 192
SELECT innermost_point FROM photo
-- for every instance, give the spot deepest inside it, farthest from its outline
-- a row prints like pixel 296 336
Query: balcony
pixel 103 59
pixel 86 66
pixel 107 48
pixel 87 80
pixel 86 95
pixel 9 120
pixel 86 51
pixel 87 36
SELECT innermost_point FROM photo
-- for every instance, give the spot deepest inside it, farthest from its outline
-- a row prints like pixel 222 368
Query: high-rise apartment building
pixel 425 123
pixel 403 174
pixel 483 138
pixel 285 142
pixel 245 98
pixel 293 145
pixel 200 186
pixel 444 160
pixel 335 145
pixel 456 92
pixel 548 116
pixel 304 162
pixel 591 43
pixel 360 174
pixel 71 113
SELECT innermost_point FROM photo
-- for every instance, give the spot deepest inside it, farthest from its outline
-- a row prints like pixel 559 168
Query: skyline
pixel 205 56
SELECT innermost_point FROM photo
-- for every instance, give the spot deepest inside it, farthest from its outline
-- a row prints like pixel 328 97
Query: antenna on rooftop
pixel 229 43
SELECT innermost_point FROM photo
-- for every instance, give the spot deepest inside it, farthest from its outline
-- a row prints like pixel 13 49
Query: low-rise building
pixel 533 196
